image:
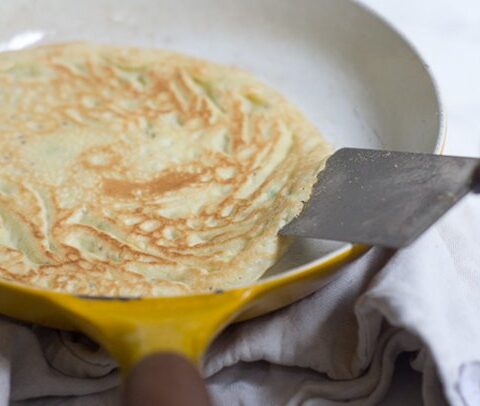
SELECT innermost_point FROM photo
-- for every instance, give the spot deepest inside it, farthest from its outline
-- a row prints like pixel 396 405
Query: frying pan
pixel 357 79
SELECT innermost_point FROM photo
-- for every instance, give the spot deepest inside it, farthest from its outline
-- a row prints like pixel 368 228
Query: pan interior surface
pixel 353 76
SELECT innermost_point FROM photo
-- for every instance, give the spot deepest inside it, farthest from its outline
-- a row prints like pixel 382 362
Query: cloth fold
pixel 337 347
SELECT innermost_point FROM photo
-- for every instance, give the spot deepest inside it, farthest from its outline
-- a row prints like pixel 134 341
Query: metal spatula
pixel 383 198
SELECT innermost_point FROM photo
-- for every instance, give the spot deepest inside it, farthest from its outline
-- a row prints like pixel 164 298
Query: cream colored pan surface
pixel 353 75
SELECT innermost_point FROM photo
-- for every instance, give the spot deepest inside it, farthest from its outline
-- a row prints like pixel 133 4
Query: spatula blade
pixel 382 198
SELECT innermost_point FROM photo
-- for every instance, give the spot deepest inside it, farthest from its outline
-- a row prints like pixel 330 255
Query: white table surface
pixel 447 34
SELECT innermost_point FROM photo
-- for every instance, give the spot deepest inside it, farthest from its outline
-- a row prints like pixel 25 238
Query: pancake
pixel 135 172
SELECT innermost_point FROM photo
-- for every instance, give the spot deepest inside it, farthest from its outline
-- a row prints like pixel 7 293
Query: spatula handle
pixel 165 379
pixel 476 181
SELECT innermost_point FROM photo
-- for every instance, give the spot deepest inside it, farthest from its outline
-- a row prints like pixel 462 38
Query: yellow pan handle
pixel 134 329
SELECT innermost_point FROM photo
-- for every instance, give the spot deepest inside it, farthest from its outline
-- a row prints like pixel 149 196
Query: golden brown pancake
pixel 131 172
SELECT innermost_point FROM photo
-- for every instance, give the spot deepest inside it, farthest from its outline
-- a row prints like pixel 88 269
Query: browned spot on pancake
pixel 165 183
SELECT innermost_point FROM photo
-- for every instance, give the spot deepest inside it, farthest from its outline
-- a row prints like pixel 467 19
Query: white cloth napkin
pixel 336 347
